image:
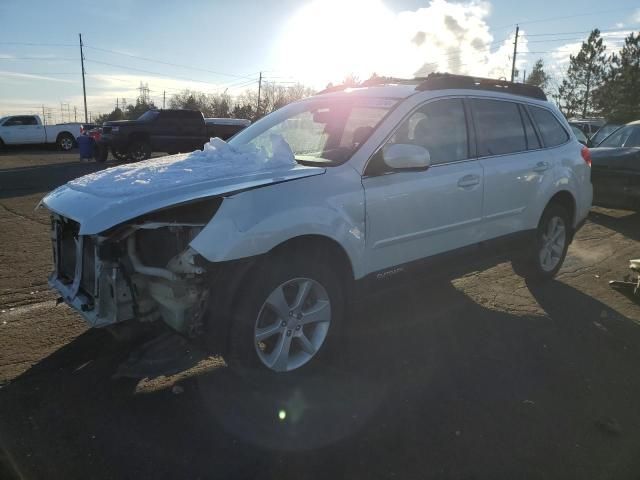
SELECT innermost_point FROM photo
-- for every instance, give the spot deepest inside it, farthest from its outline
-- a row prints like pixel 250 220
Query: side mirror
pixel 401 156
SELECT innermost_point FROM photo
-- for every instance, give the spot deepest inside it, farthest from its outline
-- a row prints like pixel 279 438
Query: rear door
pixel 164 132
pixel 192 131
pixel 416 214
pixel 514 164
pixel 32 131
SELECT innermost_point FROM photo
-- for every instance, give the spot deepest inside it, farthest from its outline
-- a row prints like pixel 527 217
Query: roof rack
pixel 447 81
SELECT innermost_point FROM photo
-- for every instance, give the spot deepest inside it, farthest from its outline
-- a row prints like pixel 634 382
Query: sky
pixel 216 46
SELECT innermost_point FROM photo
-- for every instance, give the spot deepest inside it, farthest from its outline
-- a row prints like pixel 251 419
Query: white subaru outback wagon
pixel 259 243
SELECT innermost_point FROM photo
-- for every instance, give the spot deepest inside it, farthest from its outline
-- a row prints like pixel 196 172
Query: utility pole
pixel 117 103
pixel 164 97
pixel 259 90
pixel 524 77
pixel 44 118
pixel 84 88
pixel 515 54
pixel 75 114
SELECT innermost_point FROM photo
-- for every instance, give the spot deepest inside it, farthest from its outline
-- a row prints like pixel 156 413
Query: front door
pixel 411 215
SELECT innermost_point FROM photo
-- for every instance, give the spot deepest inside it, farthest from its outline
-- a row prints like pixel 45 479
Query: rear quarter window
pixel 552 131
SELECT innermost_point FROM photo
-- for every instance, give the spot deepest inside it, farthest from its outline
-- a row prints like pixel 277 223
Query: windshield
pixel 149 116
pixel 628 136
pixel 327 131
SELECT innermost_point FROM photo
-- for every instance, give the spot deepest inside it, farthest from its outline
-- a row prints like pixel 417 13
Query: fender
pixel 254 222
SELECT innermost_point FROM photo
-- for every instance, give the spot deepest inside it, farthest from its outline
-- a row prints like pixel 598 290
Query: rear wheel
pixel 545 258
pixel 65 142
pixel 288 316
pixel 139 150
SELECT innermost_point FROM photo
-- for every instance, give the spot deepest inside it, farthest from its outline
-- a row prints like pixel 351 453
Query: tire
pixel 308 333
pixel 544 259
pixel 139 150
pixel 119 155
pixel 65 142
pixel 101 154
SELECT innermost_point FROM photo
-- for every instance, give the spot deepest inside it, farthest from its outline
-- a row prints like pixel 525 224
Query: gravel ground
pixel 473 377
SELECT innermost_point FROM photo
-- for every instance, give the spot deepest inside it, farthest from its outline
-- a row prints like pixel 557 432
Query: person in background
pixel 86 147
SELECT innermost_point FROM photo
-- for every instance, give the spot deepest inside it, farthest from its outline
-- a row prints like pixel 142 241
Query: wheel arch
pixel 565 199
pixel 316 243
pixel 63 134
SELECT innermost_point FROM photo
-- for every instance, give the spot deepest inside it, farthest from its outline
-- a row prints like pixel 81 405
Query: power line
pixel 152 73
pixel 550 19
pixel 166 63
pixel 31 44
pixel 48 59
pixel 40 73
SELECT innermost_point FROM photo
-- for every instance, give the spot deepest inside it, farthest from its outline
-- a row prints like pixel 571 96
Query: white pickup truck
pixel 29 129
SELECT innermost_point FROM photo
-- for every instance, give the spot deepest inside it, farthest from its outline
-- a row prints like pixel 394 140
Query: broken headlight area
pixel 144 271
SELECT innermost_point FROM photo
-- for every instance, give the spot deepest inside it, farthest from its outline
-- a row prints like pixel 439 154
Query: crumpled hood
pixel 101 200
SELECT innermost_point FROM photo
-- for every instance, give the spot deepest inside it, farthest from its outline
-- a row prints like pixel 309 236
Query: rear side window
pixel 499 127
pixel 553 133
pixel 532 138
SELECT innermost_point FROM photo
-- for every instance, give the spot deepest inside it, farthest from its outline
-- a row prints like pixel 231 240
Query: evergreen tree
pixel 585 74
pixel 619 97
pixel 538 77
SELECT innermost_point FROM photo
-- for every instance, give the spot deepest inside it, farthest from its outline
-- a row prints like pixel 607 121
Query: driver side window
pixel 438 126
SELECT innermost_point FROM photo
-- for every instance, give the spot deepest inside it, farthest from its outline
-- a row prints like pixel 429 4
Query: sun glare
pixel 327 40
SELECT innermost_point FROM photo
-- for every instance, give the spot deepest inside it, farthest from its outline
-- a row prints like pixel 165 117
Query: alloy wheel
pixel 66 143
pixel 292 324
pixel 553 243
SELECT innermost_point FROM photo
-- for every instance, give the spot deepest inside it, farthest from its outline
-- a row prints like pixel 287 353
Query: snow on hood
pixel 217 161
pixel 103 199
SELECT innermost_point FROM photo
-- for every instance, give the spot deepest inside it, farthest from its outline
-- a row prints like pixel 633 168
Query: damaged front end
pixel 143 269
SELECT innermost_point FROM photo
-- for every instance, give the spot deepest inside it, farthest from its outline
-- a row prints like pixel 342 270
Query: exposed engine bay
pixel 143 269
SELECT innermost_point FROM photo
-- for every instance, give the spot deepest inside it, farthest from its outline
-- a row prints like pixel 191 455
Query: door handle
pixel 541 167
pixel 469 181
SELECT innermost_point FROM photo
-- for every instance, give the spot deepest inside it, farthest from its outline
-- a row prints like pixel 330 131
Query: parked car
pixel 603 132
pixel 29 129
pixel 589 126
pixel 88 127
pixel 168 130
pixel 580 136
pixel 262 242
pixel 616 169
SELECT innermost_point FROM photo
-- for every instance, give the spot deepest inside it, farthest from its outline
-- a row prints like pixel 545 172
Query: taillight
pixel 586 155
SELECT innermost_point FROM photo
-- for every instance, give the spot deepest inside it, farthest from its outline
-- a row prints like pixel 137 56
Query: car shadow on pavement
pixel 429 384
pixel 627 224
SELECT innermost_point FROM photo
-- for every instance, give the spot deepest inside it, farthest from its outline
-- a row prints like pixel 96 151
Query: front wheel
pixel 546 256
pixel 288 316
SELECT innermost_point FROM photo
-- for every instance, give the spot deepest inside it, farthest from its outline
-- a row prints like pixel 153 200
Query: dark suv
pixel 169 131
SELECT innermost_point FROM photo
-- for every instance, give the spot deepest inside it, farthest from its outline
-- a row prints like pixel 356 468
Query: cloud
pixel 329 39
pixel 635 18
pixel 29 76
